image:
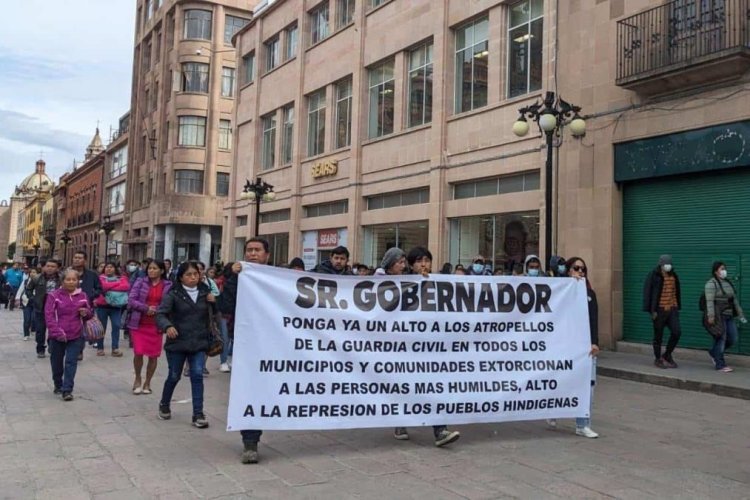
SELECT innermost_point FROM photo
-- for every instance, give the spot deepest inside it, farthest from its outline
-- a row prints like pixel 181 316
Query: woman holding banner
pixel 577 269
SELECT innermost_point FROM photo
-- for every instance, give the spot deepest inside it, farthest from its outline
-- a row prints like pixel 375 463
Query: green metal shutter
pixel 697 219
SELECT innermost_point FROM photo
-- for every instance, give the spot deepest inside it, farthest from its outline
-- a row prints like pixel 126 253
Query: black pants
pixel 670 319
pixel 251 436
pixel 41 331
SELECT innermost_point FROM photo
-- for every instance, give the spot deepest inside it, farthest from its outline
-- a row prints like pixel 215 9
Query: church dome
pixel 39 180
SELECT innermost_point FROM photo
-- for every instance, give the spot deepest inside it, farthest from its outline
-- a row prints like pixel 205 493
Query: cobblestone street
pixel 108 443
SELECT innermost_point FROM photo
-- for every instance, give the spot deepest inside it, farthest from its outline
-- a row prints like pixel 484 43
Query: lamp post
pixel 36 252
pixel 258 191
pixel 65 240
pixel 551 116
pixel 106 228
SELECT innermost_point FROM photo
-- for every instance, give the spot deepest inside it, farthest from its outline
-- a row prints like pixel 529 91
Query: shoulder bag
pixel 216 344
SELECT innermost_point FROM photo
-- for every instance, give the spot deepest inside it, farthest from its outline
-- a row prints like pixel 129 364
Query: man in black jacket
pixel 662 300
pixel 88 280
pixel 46 282
pixel 256 252
pixel 336 264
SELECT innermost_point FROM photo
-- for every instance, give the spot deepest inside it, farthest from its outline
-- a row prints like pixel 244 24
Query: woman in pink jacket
pixel 110 303
pixel 65 310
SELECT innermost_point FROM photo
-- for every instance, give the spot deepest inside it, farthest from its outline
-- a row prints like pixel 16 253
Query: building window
pixel 420 85
pixel 472 55
pixel 116 197
pixel 319 23
pixel 222 184
pixel 403 235
pixel 241 221
pixel 225 134
pixel 268 151
pixel 195 77
pixel 149 9
pixel 316 123
pixel 232 25
pixel 188 181
pixel 273 53
pixel 198 24
pixel 344 113
pixel 155 97
pixel 157 51
pixel 138 20
pixel 344 13
pixel 382 89
pixel 119 165
pixel 291 42
pixel 147 56
pixel 323 209
pixel 376 3
pixel 516 183
pixel 399 199
pixel 279 248
pixel 227 82
pixel 275 216
pixel 192 131
pixel 287 135
pixel 503 239
pixel 525 47
pixel 248 65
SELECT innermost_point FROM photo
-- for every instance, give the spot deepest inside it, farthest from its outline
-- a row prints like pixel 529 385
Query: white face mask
pixel 667 268
pixel 723 274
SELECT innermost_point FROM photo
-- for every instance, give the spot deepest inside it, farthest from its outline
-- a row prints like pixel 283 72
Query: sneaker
pixel 586 432
pixel 26 338
pixel 250 455
pixel 224 368
pixel 659 363
pixel 726 369
pixel 669 362
pixel 446 437
pixel 116 353
pixel 200 421
pixel 40 355
pixel 552 423
pixel 80 356
pixel 164 412
pixel 57 390
pixel 67 396
pixel 205 371
pixel 401 434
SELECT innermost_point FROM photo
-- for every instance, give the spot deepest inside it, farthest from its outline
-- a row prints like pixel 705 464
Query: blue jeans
pixel 28 319
pixel 586 421
pixel 176 360
pixel 115 315
pixel 64 361
pixel 726 341
pixel 224 338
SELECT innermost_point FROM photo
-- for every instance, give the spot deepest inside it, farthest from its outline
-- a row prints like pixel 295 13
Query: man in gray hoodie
pixel 532 267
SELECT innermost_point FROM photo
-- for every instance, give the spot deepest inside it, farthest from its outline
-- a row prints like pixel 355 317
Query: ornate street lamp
pixel 261 190
pixel 65 240
pixel 551 116
pixel 106 228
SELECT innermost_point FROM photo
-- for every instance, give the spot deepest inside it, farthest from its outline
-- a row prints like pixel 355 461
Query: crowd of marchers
pixel 159 307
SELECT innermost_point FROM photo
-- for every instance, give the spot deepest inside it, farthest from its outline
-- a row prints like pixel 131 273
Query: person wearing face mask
pixel 557 267
pixel 532 266
pixel 662 300
pixel 478 267
pixel 722 307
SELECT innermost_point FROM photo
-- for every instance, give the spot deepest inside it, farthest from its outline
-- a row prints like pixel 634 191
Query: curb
pixel 675 383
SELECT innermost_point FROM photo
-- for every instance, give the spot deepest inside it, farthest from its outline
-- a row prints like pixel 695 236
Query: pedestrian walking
pixel 88 283
pixel 14 276
pixel 662 300
pixel 184 316
pixel 110 304
pixel 47 282
pixel 577 269
pixel 65 310
pixel 722 309
pixel 23 297
pixel 143 302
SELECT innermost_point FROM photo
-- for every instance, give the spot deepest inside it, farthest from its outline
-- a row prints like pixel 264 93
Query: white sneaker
pixel 26 339
pixel 224 368
pixel 552 423
pixel 586 432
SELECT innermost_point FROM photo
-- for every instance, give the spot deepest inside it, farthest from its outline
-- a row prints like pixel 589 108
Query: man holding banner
pixel 340 352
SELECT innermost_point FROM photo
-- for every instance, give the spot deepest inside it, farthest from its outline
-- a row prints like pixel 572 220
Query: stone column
pixel 169 233
pixel 204 253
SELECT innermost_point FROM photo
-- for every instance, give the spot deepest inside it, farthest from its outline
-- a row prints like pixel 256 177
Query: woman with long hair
pixel 143 302
pixel 110 303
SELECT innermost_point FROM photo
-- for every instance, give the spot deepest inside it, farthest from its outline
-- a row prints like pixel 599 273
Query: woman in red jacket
pixel 110 303
pixel 65 310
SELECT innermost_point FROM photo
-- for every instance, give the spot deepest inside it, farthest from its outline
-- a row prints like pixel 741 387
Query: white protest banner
pixel 315 351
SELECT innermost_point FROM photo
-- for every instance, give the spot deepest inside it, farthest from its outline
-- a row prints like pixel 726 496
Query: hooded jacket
pixel 61 313
pixel 529 258
pixel 38 289
pixel 189 318
pixel 137 299
pixel 652 288
pixel 326 267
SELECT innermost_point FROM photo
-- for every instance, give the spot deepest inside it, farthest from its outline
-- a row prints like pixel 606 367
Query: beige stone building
pixel 389 123
pixel 4 230
pixel 180 135
pixel 115 189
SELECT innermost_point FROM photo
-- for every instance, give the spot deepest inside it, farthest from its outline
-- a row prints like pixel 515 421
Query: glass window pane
pixel 535 65
pixel 480 30
pixel 519 14
pixel 409 198
pixel 511 184
pixel 518 61
pixel 461 191
pixel 537 8
pixel 531 181
pixel 463 37
pixel 486 187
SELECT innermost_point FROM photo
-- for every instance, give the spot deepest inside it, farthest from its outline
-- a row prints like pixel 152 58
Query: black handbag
pixel 215 343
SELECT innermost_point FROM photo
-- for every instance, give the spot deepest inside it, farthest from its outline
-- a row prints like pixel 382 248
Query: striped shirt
pixel 668 298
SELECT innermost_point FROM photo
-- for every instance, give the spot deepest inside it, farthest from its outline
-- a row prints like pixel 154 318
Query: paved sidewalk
pixel 655 442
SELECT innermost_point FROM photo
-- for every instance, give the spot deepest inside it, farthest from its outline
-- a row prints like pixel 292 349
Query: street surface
pixel 109 444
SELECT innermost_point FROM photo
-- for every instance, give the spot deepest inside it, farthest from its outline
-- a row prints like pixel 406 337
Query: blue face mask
pixel 477 268
pixel 561 269
pixel 533 273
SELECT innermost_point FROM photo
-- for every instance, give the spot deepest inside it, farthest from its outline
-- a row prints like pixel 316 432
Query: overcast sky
pixel 63 66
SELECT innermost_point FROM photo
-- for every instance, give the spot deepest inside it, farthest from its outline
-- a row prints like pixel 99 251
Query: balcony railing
pixel 680 34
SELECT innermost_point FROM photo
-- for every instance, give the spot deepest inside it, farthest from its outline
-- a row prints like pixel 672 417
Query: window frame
pixel 202 25
pixel 272 48
pixel 227 89
pixel 345 10
pixel 291 42
pixel 347 101
pixel 248 68
pixel 469 47
pixel 220 176
pixel 528 24
pixel 383 86
pixel 287 134
pixel 268 144
pixel 182 132
pixel 225 135
pixel 320 31
pixel 195 185
pixel 427 69
pixel 231 29
pixel 201 72
pixel 319 97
